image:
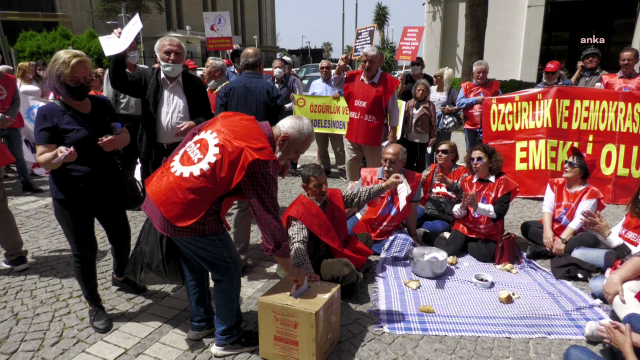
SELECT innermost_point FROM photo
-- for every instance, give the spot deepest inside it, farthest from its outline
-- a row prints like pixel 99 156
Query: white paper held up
pixel 296 293
pixel 112 44
pixel 403 191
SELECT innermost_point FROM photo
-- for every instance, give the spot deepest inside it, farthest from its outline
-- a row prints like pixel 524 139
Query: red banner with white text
pixel 534 129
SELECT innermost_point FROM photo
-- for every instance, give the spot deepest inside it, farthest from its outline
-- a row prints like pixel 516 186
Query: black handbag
pixel 437 207
pixel 127 186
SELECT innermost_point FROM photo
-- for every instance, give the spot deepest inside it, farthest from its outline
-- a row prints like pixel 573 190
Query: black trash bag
pixel 155 259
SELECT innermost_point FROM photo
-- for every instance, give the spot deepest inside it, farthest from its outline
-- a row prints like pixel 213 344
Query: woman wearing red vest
pixel 485 202
pixel 470 100
pixel 566 198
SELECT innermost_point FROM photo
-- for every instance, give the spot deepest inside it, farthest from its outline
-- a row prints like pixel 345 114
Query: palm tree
pixel 348 49
pixel 327 48
pixel 475 27
pixel 381 15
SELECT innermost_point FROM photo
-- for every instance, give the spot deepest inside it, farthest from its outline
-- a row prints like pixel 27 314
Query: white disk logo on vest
pixel 201 163
pixel 3 92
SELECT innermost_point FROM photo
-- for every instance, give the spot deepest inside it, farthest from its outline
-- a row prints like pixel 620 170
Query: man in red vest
pixel 371 96
pixel 230 157
pixel 318 235
pixel 627 79
pixel 383 217
pixel 215 71
pixel 470 100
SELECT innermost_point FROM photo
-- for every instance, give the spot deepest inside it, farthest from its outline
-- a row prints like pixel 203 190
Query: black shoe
pixel 99 320
pixel 128 285
pixel 247 342
pixel 32 189
pixel 18 264
pixel 327 172
pixel 535 251
pixel 342 174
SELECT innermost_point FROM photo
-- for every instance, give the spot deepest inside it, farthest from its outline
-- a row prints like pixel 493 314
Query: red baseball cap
pixel 227 62
pixel 191 64
pixel 553 66
pixel 591 163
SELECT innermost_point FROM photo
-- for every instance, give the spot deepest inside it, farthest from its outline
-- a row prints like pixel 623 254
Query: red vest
pixel 479 226
pixel 367 106
pixel 8 90
pixel 613 82
pixel 567 203
pixel 207 164
pixel 382 217
pixel 440 190
pixel 473 114
pixel 213 94
pixel 329 226
pixel 630 230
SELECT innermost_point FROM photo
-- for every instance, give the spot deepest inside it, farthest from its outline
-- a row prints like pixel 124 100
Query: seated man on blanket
pixel 317 226
pixel 383 217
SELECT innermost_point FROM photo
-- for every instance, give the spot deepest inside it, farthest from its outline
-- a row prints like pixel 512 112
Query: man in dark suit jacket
pixel 173 101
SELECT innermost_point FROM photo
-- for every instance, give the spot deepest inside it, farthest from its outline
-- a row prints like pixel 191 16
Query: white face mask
pixel 415 70
pixel 279 154
pixel 170 70
pixel 30 76
pixel 41 73
pixel 279 73
pixel 133 57
pixel 214 84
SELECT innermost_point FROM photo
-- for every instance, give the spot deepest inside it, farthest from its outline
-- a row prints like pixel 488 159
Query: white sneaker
pixel 446 234
pixel 591 330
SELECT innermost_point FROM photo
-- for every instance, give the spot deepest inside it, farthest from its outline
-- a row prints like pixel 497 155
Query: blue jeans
pixel 12 138
pixel 213 254
pixel 436 227
pixel 603 258
pixel 576 352
pixel 471 137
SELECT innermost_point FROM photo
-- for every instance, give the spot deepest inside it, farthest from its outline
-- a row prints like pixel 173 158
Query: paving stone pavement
pixel 43 314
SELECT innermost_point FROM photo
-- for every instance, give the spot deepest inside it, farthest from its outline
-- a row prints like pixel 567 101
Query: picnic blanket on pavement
pixel 546 308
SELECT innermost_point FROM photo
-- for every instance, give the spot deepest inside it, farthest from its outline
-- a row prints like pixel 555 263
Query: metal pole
pixel 5 49
pixel 342 52
pixel 124 14
pixel 301 46
pixel 142 46
pixel 309 43
pixel 356 14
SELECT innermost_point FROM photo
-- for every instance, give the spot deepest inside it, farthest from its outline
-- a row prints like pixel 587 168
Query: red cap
pixel 591 163
pixel 552 66
pixel 227 62
pixel 191 64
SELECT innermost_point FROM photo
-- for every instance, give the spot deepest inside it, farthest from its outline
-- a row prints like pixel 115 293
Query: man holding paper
pixel 173 101
pixel 385 215
pixel 318 235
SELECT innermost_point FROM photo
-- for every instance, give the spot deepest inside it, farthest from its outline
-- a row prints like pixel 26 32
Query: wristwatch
pixel 564 241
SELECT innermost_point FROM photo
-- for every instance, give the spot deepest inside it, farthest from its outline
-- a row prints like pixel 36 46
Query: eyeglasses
pixel 478 160
pixel 416 64
pixel 550 73
pixel 443 151
pixel 77 81
pixel 571 164
pixel 325 67
pixel 437 76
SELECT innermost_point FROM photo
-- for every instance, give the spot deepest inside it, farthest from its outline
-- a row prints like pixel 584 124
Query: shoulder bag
pixel 450 122
pixel 508 250
pixel 128 187
pixel 437 207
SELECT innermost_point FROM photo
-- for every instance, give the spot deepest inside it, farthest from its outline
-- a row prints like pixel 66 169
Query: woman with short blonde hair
pixel 75 140
pixel 443 96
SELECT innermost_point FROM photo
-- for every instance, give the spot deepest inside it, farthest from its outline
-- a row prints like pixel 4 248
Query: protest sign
pixel 329 115
pixel 365 36
pixel 217 29
pixel 112 44
pixel 29 106
pixel 409 43
pixel 534 129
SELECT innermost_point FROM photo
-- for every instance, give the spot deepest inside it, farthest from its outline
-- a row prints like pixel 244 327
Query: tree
pixel 284 52
pixel 107 10
pixel 348 49
pixel 327 48
pixel 381 16
pixel 475 27
pixel 388 50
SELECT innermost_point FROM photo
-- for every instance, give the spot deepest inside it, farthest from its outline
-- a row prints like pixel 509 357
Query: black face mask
pixel 77 93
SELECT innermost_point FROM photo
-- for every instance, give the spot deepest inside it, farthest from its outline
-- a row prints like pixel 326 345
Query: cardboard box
pixel 304 328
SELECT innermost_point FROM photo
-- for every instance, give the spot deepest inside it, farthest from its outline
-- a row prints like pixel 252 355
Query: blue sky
pixel 321 21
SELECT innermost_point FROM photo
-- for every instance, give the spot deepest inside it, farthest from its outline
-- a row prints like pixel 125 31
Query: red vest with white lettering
pixel 473 114
pixel 383 216
pixel 207 164
pixel 567 203
pixel 8 90
pixel 367 106
pixel 330 226
pixel 480 226
pixel 613 82
pixel 439 189
pixel 630 230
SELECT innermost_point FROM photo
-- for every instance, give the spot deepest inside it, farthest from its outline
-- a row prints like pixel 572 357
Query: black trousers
pixel 77 219
pixel 160 152
pixel 131 152
pixel 416 155
pixel 533 231
pixel 483 250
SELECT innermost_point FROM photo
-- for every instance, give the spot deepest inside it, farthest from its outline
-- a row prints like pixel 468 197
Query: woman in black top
pixel 75 140
pixel 407 82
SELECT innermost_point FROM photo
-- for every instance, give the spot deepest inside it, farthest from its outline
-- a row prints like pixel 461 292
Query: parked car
pixel 314 68
pixel 307 80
